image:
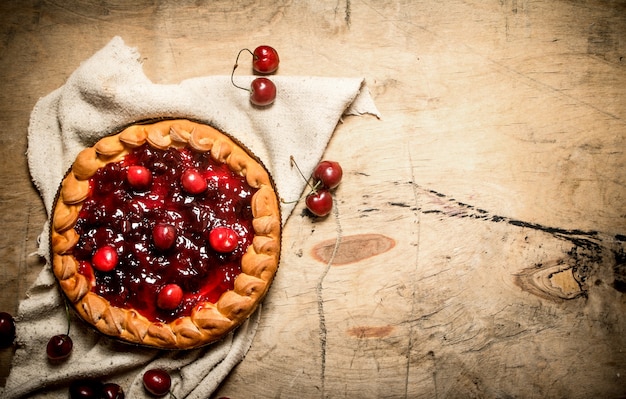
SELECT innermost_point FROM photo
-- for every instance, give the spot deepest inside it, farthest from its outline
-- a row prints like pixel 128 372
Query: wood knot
pixel 353 248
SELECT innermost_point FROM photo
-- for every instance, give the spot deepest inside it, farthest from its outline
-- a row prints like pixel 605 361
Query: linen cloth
pixel 105 93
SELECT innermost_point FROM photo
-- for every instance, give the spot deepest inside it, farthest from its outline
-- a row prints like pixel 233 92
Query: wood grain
pixel 481 221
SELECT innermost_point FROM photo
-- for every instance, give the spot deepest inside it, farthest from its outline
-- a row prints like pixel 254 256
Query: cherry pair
pixel 264 62
pixel 326 176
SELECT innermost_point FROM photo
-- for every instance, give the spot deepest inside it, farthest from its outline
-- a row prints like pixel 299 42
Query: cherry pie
pixel 166 234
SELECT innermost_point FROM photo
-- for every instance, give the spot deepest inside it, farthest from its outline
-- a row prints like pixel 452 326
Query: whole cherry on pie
pixel 193 182
pixel 170 297
pixel 164 236
pixel 105 258
pixel 223 239
pixel 139 177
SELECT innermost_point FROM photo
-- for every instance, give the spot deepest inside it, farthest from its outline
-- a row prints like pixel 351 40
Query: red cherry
pixel 170 296
pixel 164 236
pixel 139 177
pixel 105 259
pixel 112 391
pixel 223 239
pixel 320 202
pixel 86 389
pixel 7 330
pixel 193 182
pixel 329 173
pixel 59 347
pixel 265 59
pixel 157 382
pixel 262 92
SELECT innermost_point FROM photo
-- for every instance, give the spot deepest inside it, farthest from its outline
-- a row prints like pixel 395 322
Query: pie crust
pixel 208 322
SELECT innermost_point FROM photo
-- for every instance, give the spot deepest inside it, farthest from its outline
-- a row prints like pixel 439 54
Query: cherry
pixel 262 92
pixel 59 347
pixel 157 382
pixel 319 202
pixel 112 391
pixel 223 239
pixel 329 173
pixel 139 177
pixel 7 330
pixel 86 389
pixel 105 259
pixel 265 60
pixel 164 236
pixel 170 297
pixel 193 182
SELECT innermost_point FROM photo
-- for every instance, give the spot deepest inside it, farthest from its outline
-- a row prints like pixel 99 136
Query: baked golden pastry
pixel 166 234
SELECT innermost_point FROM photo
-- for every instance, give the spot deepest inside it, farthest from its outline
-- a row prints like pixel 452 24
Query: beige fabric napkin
pixel 106 92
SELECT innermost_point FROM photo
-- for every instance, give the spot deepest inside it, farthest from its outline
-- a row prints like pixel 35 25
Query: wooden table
pixel 482 219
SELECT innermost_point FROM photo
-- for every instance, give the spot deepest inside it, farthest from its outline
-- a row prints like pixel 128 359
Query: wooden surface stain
pixel 353 248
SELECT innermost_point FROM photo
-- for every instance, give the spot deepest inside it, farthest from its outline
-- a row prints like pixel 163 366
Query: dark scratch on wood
pixel 451 207
pixel 563 279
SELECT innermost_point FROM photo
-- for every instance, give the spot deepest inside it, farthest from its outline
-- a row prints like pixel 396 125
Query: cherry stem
pixel 313 188
pixel 235 67
pixel 67 315
pixel 292 162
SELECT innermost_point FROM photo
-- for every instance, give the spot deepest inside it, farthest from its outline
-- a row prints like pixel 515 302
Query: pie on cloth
pixel 132 222
pixel 105 94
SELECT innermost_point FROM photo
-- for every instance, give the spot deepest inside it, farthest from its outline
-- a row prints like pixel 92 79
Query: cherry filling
pixel 160 231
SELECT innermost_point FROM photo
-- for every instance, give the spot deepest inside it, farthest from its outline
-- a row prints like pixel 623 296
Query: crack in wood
pixel 410 342
pixel 559 280
pixel 320 301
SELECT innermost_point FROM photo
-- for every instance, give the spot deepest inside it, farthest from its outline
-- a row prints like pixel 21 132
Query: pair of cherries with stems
pixel 265 61
pixel 326 177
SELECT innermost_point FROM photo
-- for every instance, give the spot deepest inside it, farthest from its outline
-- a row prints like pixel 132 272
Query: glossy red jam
pixel 123 216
